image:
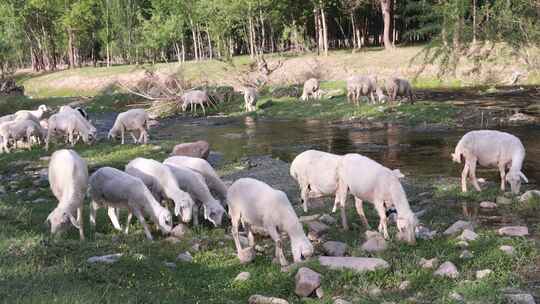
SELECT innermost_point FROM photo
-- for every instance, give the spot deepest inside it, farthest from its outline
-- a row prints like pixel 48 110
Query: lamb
pixel 162 183
pixel 316 174
pixel 199 149
pixel 69 124
pixel 491 149
pixel 250 99
pixel 254 203
pixel 368 180
pixel 358 86
pixel 38 114
pixel 311 89
pixel 194 98
pixel 194 184
pixel 19 130
pixel 132 120
pixel 399 87
pixel 110 187
pixel 68 177
pixel 81 113
pixel 203 167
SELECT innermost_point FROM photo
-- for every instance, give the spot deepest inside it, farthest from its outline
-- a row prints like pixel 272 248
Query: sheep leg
pixel 274 234
pixel 203 111
pixel 464 175
pixel 93 210
pixel 472 175
pixel 122 131
pixel 372 97
pixel 304 195
pixel 383 221
pixel 358 203
pixel 80 222
pixel 128 221
pixel 133 136
pixel 195 214
pixel 114 219
pixel 139 215
pixel 236 236
pixel 142 135
pixel 503 176
pixel 341 200
pixel 251 237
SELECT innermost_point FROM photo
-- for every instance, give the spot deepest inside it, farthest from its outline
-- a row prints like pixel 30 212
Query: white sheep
pixel 205 169
pixel 250 98
pixel 316 174
pixel 38 114
pixel 254 203
pixel 311 89
pixel 194 98
pixel 70 124
pixel 19 130
pixel 81 113
pixel 368 180
pixel 491 149
pixel 132 120
pixel 194 184
pixel 399 87
pixel 112 188
pixel 358 86
pixel 68 178
pixel 161 182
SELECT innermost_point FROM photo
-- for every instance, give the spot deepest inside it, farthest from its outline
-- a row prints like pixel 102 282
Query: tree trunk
pixel 474 22
pixel 210 51
pixel 251 38
pixel 386 7
pixel 71 55
pixel 177 51
pixel 354 33
pixel 183 50
pixel 195 48
pixel 318 36
pixel 324 29
pixel 263 32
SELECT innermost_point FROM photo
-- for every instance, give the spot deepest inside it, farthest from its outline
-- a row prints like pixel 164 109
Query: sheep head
pixel 43 108
pixel 59 219
pixel 165 221
pixel 301 248
pixel 514 178
pixel 213 212
pixel 183 205
pixel 406 228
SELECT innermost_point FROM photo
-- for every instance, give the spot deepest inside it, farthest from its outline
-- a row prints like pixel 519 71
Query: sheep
pixel 368 180
pixel 491 149
pixel 316 174
pixel 81 113
pixel 250 99
pixel 162 183
pixel 199 149
pixel 68 178
pixel 194 184
pixel 399 87
pixel 69 124
pixel 110 187
pixel 17 130
pixel 254 203
pixel 38 114
pixel 205 169
pixel 194 98
pixel 311 89
pixel 132 120
pixel 358 86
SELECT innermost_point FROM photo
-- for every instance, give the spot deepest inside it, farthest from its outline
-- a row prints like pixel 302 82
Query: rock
pixel 480 274
pixel 170 265
pixel 503 200
pixel 107 259
pixel 456 296
pixel 354 263
pixel 199 149
pixel 514 231
pixel 333 248
pixel 259 248
pixel 457 227
pixel 404 285
pixel 507 249
pixel 45 158
pixel 466 254
pixel 39 200
pixel 488 205
pixel 185 257
pixel 179 231
pixel 156 148
pixel 319 292
pixel 447 269
pixel 31 193
pixel 2 190
pixel 318 228
pixel 375 242
pixel 242 276
pixel 520 298
pixel 374 291
pixel 468 235
pixel 424 233
pixel 172 240
pixel 258 299
pixel 341 301
pixel 462 244
pixel 428 264
pixel 531 194
pixel 327 219
pixel 307 281
pixel 246 255
pixel 308 218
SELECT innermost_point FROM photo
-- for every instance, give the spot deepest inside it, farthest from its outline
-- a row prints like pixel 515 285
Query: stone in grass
pixel 468 235
pixel 488 205
pixel 428 264
pixel 359 264
pixel 520 298
pixel 457 227
pixel 375 242
pixel 509 250
pixel 514 231
pixel 308 218
pixel 259 299
pixel 447 269
pixel 170 265
pixel 466 254
pixel 404 285
pixel 503 200
pixel 462 244
pixel 327 219
pixel 374 291
pixel 334 248
pixel 480 274
pixel 246 255
pixel 318 228
pixel 107 259
pixel 341 301
pixel 319 292
pixel 242 276
pixel 39 200
pixel 531 194
pixel 185 257
pixel 455 296
pixel 307 281
pixel 179 231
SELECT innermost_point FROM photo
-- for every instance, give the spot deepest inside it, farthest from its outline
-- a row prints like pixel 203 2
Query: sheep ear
pixel 398 173
pixel 74 221
pixel 523 177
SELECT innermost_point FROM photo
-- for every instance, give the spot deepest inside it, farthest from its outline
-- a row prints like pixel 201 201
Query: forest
pixel 48 35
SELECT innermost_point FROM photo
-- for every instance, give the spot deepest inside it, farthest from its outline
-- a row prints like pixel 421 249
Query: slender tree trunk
pixel 195 47
pixel 354 33
pixel 251 39
pixel 272 44
pixel 317 30
pixel 71 56
pixel 325 30
pixel 210 51
pixel 263 32
pixel 177 51
pixel 200 43
pixel 183 51
pixel 386 6
pixel 474 22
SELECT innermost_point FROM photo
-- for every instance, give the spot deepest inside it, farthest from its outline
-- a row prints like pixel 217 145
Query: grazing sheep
pixel 161 182
pixel 19 130
pixel 110 187
pixel 194 98
pixel 132 120
pixel 316 174
pixel 399 87
pixel 199 149
pixel 194 184
pixel 70 124
pixel 205 169
pixel 311 89
pixel 254 203
pixel 38 114
pixel 358 86
pixel 491 149
pixel 68 177
pixel 81 113
pixel 368 180
pixel 250 99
